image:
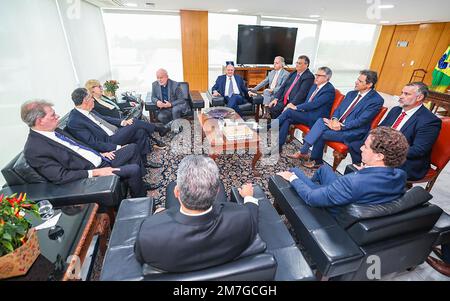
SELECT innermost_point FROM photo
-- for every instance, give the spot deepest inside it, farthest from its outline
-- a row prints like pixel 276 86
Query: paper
pixel 49 223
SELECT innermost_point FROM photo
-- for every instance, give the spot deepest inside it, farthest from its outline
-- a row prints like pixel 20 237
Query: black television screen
pixel 259 44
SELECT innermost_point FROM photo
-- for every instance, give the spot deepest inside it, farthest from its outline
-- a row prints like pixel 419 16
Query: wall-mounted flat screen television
pixel 258 44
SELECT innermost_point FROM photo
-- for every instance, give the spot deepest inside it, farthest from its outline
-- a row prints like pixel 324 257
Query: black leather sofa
pixel 249 107
pixel 21 177
pixel 400 233
pixel 151 107
pixel 280 261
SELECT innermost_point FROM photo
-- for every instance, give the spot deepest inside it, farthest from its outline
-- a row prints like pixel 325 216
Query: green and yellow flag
pixel 441 74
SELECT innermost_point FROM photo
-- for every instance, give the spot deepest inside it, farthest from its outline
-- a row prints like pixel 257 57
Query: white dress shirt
pixel 246 200
pixel 90 156
pixel 235 86
pixel 408 115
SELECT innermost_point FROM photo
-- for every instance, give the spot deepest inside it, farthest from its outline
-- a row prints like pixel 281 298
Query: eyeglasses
pixel 319 74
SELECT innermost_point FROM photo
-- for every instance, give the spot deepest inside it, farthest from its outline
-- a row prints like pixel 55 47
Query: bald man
pixel 168 97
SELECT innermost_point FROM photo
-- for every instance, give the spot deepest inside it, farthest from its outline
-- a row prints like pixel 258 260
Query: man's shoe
pixel 152 186
pixel 151 164
pixel 299 155
pixel 437 251
pixel 159 144
pixel 162 129
pixel 439 265
pixel 311 164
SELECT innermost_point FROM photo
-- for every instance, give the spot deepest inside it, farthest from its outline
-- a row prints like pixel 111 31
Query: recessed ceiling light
pixel 129 4
pixel 386 6
pixel 385 22
pixel 232 10
pixel 314 16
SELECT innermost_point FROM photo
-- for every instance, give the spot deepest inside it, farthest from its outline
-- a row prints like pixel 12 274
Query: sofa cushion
pixel 353 213
pixel 26 172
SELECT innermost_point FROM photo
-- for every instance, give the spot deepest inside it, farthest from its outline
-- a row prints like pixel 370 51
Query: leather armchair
pixel 194 105
pixel 120 262
pixel 21 177
pixel 250 106
pixel 400 233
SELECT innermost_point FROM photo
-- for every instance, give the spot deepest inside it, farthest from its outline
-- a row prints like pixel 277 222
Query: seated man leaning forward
pixel 60 158
pixel 378 180
pixel 201 232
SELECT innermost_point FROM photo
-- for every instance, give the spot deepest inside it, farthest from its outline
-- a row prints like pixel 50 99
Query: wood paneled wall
pixel 194 39
pixel 395 66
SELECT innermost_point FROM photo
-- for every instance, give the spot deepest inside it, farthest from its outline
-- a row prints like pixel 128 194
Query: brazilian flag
pixel 441 74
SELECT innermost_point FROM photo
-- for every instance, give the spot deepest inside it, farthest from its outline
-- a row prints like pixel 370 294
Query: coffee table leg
pixel 256 157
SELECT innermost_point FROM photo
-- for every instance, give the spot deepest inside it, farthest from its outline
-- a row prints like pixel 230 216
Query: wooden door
pixel 396 68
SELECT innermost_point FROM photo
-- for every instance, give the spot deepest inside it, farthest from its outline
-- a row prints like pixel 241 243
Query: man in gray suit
pixel 168 96
pixel 274 79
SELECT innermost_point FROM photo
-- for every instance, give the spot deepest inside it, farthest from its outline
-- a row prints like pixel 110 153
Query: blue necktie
pixel 67 139
pixel 230 88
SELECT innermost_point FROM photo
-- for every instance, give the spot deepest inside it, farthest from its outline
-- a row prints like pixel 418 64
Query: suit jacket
pixel 282 77
pixel 175 94
pixel 57 163
pixel 89 132
pixel 421 130
pixel 187 243
pixel 321 104
pixel 221 82
pixel 358 122
pixel 372 185
pixel 300 90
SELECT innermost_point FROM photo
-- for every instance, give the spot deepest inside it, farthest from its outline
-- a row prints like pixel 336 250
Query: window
pixel 140 44
pixel 346 48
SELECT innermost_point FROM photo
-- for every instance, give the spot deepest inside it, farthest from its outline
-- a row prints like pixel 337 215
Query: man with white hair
pixel 201 231
pixel 168 96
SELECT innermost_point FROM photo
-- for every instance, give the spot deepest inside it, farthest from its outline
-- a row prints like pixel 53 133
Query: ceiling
pixel 358 11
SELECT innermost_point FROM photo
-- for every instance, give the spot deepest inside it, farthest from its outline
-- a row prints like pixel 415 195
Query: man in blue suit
pixel 232 88
pixel 350 122
pixel 103 133
pixel 378 182
pixel 420 127
pixel 295 88
pixel 318 105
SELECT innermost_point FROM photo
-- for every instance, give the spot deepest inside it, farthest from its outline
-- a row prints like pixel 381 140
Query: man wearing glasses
pixel 295 88
pixel 317 105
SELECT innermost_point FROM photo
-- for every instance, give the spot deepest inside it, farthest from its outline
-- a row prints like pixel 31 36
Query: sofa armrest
pixel 105 191
pixel 350 168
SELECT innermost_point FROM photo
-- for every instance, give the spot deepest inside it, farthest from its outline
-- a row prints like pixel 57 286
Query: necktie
pixel 286 96
pixel 106 124
pixel 67 139
pixel 274 81
pixel 314 94
pixel 230 88
pixel 342 119
pixel 399 120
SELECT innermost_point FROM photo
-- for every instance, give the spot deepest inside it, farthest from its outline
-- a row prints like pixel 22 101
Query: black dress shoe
pixel 152 186
pixel 162 129
pixel 159 144
pixel 151 164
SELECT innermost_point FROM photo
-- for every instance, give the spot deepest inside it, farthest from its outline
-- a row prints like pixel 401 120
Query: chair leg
pixel 338 157
pixel 291 135
pixel 257 113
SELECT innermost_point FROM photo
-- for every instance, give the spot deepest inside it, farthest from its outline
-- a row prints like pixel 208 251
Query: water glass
pixel 45 209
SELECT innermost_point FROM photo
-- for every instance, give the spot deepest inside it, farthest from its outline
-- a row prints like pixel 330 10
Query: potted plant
pixel 19 246
pixel 111 87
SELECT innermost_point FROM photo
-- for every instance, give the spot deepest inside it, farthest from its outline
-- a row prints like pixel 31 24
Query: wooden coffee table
pixel 220 145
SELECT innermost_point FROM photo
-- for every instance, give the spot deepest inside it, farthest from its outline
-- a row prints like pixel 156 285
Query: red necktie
pixel 313 95
pixel 342 119
pixel 399 120
pixel 285 100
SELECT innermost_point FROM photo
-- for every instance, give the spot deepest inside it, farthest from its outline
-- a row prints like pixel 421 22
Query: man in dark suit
pixel 201 232
pixel 350 122
pixel 168 96
pixel 378 182
pixel 420 127
pixel 232 87
pixel 105 134
pixel 318 105
pixel 60 158
pixel 295 88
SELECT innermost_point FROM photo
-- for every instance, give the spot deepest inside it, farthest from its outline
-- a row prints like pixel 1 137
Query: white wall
pixel 35 62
